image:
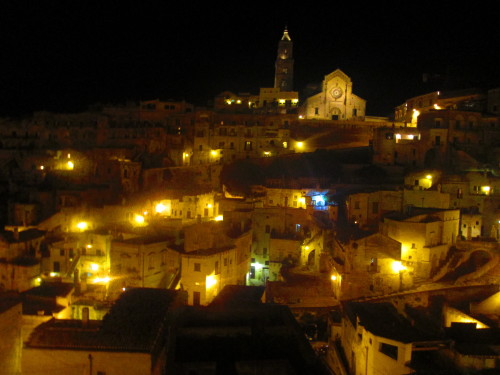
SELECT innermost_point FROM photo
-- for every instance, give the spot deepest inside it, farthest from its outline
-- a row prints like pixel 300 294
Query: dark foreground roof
pixel 382 319
pixel 132 325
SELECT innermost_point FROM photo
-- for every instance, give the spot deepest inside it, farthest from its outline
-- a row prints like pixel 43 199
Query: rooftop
pixel 132 325
pixel 382 319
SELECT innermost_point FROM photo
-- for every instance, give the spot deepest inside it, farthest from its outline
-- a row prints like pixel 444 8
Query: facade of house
pixel 212 259
pixel 425 235
pixel 369 264
pixel 376 339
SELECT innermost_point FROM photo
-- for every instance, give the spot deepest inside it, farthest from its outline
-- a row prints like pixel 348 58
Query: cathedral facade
pixel 336 100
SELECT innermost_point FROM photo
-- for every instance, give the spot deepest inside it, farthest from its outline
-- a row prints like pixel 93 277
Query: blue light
pixel 319 200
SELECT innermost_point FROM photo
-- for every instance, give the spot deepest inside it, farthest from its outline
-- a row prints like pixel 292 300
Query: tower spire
pixel 283 76
pixel 285 35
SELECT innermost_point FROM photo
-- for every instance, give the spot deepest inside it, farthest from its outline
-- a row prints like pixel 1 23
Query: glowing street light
pixel 160 208
pixel 210 281
pixel 397 266
pixel 82 225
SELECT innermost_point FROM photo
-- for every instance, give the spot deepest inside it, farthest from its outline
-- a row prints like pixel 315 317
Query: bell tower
pixel 283 76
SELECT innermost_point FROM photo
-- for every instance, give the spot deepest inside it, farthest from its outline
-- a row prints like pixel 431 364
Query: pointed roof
pixel 285 35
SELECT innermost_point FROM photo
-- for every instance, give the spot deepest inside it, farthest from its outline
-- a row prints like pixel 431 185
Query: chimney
pixel 85 317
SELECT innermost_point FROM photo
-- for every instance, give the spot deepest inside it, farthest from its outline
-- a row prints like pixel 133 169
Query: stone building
pixel 461 100
pixel 376 339
pixel 143 262
pixel 426 236
pixel 213 256
pixel 221 138
pixel 336 101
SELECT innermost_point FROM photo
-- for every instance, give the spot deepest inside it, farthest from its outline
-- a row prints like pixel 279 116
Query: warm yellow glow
pixel 267 153
pixel 42 167
pixel 302 200
pixel 300 144
pixel 186 154
pixel 257 265
pixel 436 106
pixel 306 247
pixel 398 136
pixel 219 218
pixel 486 189
pixel 228 101
pixel 469 319
pixel 295 101
pixel 94 267
pixel 282 101
pixel 213 153
pixel 209 205
pixel 139 219
pixel 285 144
pixel 104 280
pixel 38 280
pixel 210 281
pixel 71 165
pixel 397 266
pixel 69 156
pixel 160 207
pixel 89 246
pixel 238 101
pixel 429 177
pixel 415 115
pixel 82 225
pixel 333 277
pixel 53 274
pixel 301 117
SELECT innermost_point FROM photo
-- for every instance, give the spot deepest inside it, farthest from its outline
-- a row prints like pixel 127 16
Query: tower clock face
pixel 336 92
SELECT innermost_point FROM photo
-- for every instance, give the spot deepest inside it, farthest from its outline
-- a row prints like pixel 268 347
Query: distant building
pixel 368 264
pixel 336 101
pixel 20 257
pixel 213 256
pixel 221 138
pixel 142 262
pixel 278 99
pixel 426 236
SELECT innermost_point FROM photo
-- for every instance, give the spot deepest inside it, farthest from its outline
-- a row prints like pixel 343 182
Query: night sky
pixel 65 55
